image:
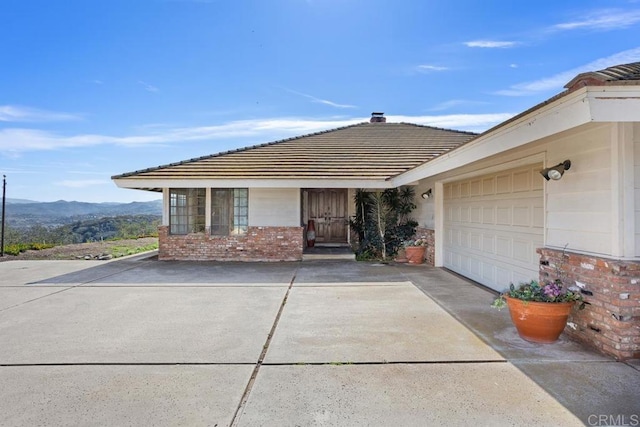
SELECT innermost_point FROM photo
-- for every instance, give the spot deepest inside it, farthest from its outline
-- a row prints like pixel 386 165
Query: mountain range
pixel 25 213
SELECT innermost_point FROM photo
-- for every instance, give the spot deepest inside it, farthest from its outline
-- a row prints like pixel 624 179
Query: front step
pixel 316 257
pixel 328 252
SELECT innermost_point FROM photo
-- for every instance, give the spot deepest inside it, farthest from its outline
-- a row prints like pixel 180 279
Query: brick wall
pixel 430 236
pixel 611 320
pixel 259 244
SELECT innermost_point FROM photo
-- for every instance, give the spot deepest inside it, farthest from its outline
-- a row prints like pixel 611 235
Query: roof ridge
pixel 436 128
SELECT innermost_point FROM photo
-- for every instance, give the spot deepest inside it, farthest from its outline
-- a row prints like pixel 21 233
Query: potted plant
pixel 539 312
pixel 414 250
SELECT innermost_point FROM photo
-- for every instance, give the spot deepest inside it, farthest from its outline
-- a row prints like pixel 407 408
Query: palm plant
pixel 382 221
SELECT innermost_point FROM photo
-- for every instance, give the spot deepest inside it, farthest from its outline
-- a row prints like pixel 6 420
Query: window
pixel 229 211
pixel 186 210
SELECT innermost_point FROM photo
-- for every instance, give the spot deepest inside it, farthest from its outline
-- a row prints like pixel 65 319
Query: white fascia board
pixel 615 103
pixel 568 112
pixel 142 183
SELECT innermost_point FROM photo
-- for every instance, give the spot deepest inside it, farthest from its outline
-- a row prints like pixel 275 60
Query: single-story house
pixel 492 216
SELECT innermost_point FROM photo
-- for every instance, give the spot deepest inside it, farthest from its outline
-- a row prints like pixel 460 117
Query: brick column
pixel 611 320
pixel 430 236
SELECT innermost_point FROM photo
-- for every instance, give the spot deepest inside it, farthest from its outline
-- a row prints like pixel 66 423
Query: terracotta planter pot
pixel 539 322
pixel 415 254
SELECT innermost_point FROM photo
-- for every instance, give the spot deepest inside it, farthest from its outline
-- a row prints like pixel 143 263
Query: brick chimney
pixel 378 118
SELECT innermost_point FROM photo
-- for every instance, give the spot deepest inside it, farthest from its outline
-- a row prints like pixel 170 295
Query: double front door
pixel 328 209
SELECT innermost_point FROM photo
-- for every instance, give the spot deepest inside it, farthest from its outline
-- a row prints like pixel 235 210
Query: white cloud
pixel 16 113
pixel 557 81
pixel 333 104
pixel 16 140
pixel 428 68
pixel 84 183
pixel 322 101
pixel 607 19
pixel 148 87
pixel 491 44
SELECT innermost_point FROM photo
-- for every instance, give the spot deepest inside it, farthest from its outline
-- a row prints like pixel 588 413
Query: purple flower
pixel 552 290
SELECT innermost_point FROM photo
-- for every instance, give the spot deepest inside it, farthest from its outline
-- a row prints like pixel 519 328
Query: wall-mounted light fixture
pixel 556 171
pixel 426 194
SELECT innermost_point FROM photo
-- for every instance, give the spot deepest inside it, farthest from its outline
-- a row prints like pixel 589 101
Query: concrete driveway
pixel 142 342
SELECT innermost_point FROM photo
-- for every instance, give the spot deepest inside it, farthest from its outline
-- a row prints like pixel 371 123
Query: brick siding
pixel 430 236
pixel 611 320
pixel 259 244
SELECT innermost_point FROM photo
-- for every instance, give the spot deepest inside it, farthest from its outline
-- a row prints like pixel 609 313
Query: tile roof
pixel 365 151
pixel 618 74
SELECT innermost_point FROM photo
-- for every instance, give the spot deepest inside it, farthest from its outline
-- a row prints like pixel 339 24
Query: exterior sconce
pixel 426 194
pixel 556 171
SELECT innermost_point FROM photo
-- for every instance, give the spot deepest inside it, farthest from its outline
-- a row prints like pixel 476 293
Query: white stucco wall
pixel 580 207
pixel 425 209
pixel 274 207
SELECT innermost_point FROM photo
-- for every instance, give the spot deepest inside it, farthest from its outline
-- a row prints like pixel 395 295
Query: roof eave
pixel 146 184
pixel 560 113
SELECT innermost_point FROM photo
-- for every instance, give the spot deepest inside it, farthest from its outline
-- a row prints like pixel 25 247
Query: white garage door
pixel 493 225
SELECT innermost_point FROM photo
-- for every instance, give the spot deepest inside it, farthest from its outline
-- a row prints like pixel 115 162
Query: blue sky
pixel 91 88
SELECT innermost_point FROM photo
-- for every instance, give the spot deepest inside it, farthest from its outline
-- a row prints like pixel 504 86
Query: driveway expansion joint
pixel 247 391
pixel 397 362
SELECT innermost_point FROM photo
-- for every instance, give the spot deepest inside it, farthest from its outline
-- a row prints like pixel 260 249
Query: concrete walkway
pixel 142 342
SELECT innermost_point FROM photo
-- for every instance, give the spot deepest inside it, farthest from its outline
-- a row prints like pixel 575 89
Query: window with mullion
pixel 229 211
pixel 187 210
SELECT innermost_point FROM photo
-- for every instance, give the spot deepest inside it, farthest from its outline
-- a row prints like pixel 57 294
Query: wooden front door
pixel 328 209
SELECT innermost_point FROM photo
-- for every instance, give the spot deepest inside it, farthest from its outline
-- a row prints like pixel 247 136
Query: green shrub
pixel 40 246
pixel 16 248
pixel 13 249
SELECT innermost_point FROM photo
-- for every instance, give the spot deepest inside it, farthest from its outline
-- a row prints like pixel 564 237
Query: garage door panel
pixel 488 186
pixel 492 234
pixel 489 243
pixel 455 191
pixel 474 187
pixel 489 272
pixel 448 215
pixel 488 216
pixel 464 189
pixel 522 216
pixel 503 247
pixel 503 215
pixel 503 276
pixel 522 251
pixel 464 214
pixel 475 241
pixel 475 214
pixel 475 266
pixel 521 181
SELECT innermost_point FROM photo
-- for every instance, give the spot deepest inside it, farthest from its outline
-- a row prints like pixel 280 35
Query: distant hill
pixel 15 201
pixel 25 213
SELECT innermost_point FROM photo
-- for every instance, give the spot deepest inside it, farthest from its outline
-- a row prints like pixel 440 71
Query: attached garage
pixel 493 225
